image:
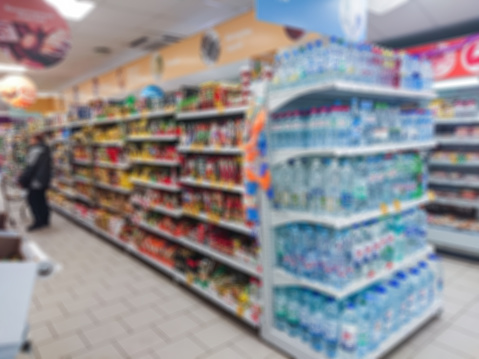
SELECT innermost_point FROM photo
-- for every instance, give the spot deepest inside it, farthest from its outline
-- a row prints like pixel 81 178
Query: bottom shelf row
pixel 235 292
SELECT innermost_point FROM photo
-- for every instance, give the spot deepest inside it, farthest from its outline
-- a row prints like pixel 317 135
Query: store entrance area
pixel 106 304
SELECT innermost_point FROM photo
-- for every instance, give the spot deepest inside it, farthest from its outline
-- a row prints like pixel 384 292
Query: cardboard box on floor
pixel 17 280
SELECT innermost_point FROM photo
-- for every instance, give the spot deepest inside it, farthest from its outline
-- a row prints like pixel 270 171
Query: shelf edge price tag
pixel 431 195
pixel 397 205
pixel 240 310
pixel 384 209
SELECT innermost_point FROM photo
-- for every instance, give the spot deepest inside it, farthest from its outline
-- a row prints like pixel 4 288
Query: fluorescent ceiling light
pixel 12 68
pixel 381 7
pixel 74 10
pixel 457 83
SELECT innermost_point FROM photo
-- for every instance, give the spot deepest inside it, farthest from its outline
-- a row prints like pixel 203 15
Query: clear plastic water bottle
pixel 316 323
pixel 331 327
pixel 349 332
pixel 360 185
pixel 413 297
pixel 316 186
pixel 280 243
pixel 438 276
pixel 377 313
pixel 280 303
pixel 347 187
pixel 292 312
pixel 332 186
pixel 426 286
pixel 305 315
pixel 300 189
pixel 343 124
pixel 390 316
pixel 364 324
pixel 403 300
pixel 310 256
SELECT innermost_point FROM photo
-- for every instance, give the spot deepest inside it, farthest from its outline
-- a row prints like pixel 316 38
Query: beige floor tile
pixel 205 314
pixel 178 326
pixel 175 305
pixel 217 333
pixel 61 347
pixel 142 299
pixel 225 353
pixel 113 294
pixel 459 341
pixel 402 352
pixel 108 351
pixel 110 310
pixel 55 298
pixel 469 322
pixel 46 315
pixel 140 342
pixel 81 304
pixel 434 351
pixel 41 334
pixel 252 347
pixel 72 323
pixel 141 318
pixel 105 331
pixel 184 349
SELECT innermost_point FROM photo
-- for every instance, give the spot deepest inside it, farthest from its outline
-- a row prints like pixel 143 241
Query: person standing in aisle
pixel 36 179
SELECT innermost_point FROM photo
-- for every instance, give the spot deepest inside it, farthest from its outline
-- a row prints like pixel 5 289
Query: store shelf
pixel 64 166
pixel 153 162
pixel 152 114
pixel 337 89
pixel 82 180
pixel 234 226
pixel 83 162
pixel 202 114
pixel 109 143
pixel 454 240
pixel 65 180
pixel 153 138
pixel 211 150
pixel 81 123
pixel 454 164
pixel 57 141
pixel 232 262
pixel 113 188
pixel 457 121
pixel 118 166
pixel 215 299
pixel 280 218
pixel 281 156
pixel 161 209
pixel 162 186
pixel 83 198
pixel 453 183
pixel 69 194
pixel 57 126
pixel 457 202
pixel 157 231
pixel 459 141
pixel 213 185
pixel 283 278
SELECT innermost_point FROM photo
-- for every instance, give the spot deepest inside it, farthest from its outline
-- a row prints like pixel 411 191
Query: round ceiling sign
pixel 33 33
pixel 18 91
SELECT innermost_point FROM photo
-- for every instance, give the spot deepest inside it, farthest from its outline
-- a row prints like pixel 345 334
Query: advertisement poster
pixel 32 33
pixel 453 58
pixel 346 19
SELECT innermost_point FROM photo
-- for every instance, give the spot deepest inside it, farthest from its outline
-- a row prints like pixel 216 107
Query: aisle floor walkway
pixel 105 304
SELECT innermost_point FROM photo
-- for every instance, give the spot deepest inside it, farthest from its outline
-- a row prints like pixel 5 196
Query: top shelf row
pixel 277 100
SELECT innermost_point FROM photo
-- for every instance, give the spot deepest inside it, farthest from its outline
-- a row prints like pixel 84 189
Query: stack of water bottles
pixel 336 126
pixel 339 187
pixel 321 62
pixel 339 258
pixel 356 327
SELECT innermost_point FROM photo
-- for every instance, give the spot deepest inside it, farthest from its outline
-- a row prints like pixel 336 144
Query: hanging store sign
pixel 18 91
pixel 346 19
pixel 32 33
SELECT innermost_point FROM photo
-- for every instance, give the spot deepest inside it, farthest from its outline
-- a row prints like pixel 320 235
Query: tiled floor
pixel 105 304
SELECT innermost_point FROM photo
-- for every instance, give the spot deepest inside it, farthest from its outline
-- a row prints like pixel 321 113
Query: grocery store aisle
pixel 105 304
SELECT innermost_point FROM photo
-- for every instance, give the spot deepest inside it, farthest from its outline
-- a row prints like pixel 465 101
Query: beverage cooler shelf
pixel 454 240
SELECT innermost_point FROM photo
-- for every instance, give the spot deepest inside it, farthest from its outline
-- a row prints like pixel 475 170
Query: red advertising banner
pixel 33 33
pixel 453 58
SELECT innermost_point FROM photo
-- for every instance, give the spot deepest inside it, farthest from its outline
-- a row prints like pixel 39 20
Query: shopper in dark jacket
pixel 36 179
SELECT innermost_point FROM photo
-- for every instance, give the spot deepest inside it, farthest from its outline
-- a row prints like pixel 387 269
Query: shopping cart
pixel 11 193
pixel 17 280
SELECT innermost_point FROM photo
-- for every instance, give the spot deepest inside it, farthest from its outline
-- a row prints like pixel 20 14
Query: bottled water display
pixel 356 326
pixel 339 258
pixel 339 187
pixel 362 123
pixel 335 60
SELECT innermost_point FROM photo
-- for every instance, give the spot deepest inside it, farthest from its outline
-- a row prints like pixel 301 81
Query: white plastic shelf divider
pixel 153 138
pixel 168 163
pixel 113 188
pixel 206 184
pixel 453 164
pixel 213 113
pixel 161 186
pixel 462 141
pixel 284 155
pixel 303 351
pixel 451 239
pixel 234 226
pixel 161 209
pixel 281 98
pixel 109 143
pixel 453 183
pixel 457 121
pixel 457 202
pixel 287 279
pixel 118 166
pixel 221 257
pixel 211 150
pixel 280 217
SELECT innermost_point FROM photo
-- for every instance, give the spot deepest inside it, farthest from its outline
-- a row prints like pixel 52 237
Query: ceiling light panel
pixel 381 7
pixel 74 10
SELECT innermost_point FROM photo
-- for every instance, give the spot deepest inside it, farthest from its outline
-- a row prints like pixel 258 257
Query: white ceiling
pixel 115 23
